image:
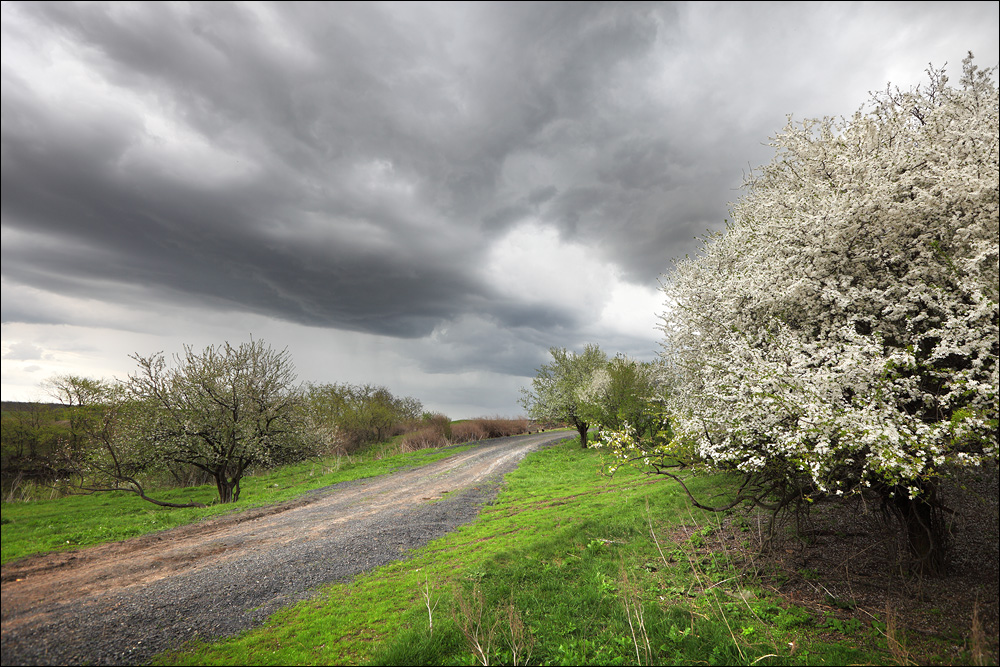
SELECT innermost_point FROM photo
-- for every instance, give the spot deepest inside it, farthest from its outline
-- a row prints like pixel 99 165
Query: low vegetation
pixel 39 518
pixel 569 566
pixel 438 430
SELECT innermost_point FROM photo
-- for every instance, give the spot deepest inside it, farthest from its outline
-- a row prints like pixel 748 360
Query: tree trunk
pixel 225 488
pixel 926 534
pixel 581 428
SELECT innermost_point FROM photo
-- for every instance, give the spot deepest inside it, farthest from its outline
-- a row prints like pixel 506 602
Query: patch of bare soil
pixel 124 602
pixel 846 562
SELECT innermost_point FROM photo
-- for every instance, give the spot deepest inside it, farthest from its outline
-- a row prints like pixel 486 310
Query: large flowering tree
pixel 841 336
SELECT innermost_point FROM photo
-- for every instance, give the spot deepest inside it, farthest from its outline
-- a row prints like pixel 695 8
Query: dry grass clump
pixel 437 431
pixel 502 427
pixel 440 422
pixel 468 431
pixel 482 428
pixel 433 430
pixel 425 438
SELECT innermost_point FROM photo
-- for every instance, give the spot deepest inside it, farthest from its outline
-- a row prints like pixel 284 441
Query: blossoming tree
pixel 224 410
pixel 841 336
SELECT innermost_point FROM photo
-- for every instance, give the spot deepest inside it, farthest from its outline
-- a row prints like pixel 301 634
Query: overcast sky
pixel 425 196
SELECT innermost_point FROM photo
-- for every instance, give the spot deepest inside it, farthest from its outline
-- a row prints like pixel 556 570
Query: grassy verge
pixel 63 523
pixel 567 567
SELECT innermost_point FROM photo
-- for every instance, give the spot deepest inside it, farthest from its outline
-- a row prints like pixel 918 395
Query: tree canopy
pixel 625 392
pixel 346 416
pixel 222 410
pixel 841 336
pixel 557 391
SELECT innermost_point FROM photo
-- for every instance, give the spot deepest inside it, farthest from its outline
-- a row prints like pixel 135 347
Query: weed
pixel 849 627
pixel 980 655
pixel 633 607
pixel 518 636
pixel 430 608
pixel 841 603
pixel 895 640
pixel 477 628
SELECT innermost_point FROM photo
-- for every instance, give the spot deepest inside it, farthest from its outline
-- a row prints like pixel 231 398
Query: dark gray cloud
pixel 371 146
pixel 354 166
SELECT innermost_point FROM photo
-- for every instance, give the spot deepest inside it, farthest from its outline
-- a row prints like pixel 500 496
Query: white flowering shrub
pixel 841 336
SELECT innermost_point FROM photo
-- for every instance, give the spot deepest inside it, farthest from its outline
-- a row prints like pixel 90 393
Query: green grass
pixel 63 523
pixel 593 570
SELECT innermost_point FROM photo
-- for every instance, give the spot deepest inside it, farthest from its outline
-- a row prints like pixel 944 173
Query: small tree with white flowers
pixel 224 410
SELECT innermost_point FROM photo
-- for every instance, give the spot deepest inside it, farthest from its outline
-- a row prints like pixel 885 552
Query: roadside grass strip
pixel 40 526
pixel 567 567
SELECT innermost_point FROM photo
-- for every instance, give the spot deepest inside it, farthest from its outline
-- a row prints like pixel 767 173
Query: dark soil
pixel 847 562
pixel 123 603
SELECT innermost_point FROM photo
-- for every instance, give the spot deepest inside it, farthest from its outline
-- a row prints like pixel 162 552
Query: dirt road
pixel 124 602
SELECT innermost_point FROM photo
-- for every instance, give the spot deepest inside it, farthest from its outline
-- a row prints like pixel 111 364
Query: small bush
pixel 438 421
pixel 425 438
pixel 501 427
pixel 468 431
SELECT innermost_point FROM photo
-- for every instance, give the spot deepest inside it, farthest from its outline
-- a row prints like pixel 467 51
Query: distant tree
pixel 558 390
pixel 347 416
pixel 223 410
pixel 625 391
pixel 75 393
pixel 381 413
pixel 31 432
pixel 841 337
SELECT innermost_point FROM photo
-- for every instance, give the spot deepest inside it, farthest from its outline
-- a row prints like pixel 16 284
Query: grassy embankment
pixel 567 567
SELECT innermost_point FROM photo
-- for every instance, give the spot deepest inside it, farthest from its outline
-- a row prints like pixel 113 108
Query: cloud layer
pixel 476 182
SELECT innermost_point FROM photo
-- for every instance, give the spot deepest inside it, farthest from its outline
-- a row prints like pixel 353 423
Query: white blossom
pixel 845 326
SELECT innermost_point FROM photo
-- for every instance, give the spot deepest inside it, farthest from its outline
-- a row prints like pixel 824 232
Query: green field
pixel 569 566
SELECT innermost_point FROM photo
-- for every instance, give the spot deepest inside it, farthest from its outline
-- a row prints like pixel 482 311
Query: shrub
pixel 425 438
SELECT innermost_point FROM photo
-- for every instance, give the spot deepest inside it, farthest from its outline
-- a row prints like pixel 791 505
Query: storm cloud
pixel 476 182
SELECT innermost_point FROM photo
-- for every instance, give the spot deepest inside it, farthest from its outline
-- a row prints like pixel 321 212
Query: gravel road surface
pixel 122 603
